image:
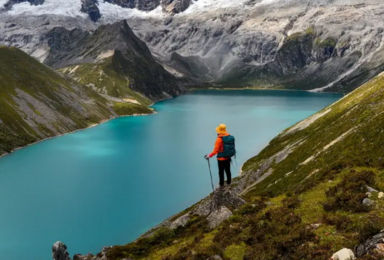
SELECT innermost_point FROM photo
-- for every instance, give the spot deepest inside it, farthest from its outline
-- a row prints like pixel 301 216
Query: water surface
pixel 108 184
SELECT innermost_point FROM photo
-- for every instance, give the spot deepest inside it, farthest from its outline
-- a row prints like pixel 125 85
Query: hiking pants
pixel 225 166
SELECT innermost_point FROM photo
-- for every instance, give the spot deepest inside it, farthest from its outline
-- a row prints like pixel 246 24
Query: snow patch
pixel 56 7
pixel 111 12
pixel 2 3
pixel 106 54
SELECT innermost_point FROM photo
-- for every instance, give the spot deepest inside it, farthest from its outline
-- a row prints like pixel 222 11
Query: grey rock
pixel 145 5
pixel 369 245
pixel 90 7
pixel 368 202
pixel 181 221
pixel 59 251
pixel 215 257
pixel 218 216
pixel 370 189
pixel 220 198
pixel 175 6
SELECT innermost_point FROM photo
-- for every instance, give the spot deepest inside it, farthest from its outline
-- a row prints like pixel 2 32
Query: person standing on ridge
pixel 225 149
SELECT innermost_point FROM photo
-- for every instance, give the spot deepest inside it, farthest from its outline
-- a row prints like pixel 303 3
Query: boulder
pixel 181 221
pixel 215 257
pixel 218 216
pixel 59 251
pixel 344 254
pixel 370 189
pixel 368 202
pixel 380 195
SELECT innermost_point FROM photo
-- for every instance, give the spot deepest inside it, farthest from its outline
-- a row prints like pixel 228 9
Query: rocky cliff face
pixel 320 45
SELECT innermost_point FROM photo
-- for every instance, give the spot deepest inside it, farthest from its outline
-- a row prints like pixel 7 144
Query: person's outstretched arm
pixel 218 147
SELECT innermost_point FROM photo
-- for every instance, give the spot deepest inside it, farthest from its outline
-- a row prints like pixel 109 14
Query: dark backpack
pixel 229 147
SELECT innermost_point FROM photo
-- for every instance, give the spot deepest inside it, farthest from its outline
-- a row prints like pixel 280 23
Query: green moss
pixel 130 109
pixel 235 252
pixel 105 80
pixel 326 43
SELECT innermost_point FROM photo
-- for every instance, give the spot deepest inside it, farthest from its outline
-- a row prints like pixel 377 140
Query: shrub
pixel 349 194
pixel 368 226
pixel 341 222
pixel 249 209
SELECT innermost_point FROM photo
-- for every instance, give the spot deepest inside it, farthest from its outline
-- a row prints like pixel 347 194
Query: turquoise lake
pixel 109 184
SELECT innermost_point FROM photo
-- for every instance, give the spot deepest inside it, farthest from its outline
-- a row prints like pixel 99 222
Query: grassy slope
pixel 104 79
pixel 307 208
pixel 55 104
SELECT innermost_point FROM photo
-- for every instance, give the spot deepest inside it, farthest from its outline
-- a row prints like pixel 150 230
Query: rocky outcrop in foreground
pixel 59 251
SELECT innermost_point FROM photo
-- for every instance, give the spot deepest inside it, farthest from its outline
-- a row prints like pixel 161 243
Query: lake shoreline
pixel 77 130
pixel 266 89
pixel 154 112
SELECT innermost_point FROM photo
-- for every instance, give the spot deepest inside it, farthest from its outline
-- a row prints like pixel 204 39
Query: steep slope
pixel 312 191
pixel 124 53
pixel 36 102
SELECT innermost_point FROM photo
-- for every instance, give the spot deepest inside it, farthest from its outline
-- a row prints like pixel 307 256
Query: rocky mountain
pixel 37 102
pixel 315 192
pixel 322 45
pixel 117 45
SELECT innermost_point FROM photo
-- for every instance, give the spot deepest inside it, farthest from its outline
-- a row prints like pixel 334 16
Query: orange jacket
pixel 219 147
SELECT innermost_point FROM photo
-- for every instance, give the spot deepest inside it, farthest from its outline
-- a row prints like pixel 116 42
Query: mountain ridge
pixel 232 43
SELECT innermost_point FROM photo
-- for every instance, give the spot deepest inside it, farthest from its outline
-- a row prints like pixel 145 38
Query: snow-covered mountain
pixel 321 44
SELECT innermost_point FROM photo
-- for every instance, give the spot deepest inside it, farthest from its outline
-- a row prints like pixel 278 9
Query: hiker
pixel 225 149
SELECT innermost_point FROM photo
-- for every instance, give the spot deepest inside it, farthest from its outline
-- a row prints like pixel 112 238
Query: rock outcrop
pixel 175 6
pixel 90 7
pixel 59 251
pixel 220 198
pixel 371 246
pixel 144 5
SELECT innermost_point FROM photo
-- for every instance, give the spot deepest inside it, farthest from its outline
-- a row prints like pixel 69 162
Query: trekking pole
pixel 209 167
pixel 213 188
